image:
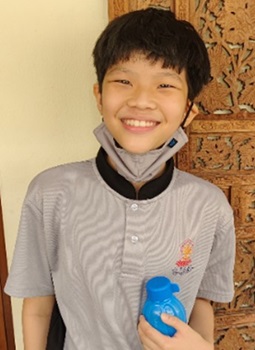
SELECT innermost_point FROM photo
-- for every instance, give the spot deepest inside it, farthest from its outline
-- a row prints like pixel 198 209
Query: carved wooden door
pixel 222 139
pixel 6 326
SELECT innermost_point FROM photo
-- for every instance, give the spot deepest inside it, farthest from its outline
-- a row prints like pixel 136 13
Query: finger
pixel 174 322
pixel 147 344
pixel 150 337
pixel 145 331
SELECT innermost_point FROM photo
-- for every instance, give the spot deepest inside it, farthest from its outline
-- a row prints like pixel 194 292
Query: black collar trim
pixel 119 184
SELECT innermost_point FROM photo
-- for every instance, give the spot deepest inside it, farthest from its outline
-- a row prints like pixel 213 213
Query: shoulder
pixel 70 171
pixel 196 183
pixel 59 179
pixel 202 191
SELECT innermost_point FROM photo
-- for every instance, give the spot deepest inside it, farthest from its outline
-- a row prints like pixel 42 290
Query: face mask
pixel 139 167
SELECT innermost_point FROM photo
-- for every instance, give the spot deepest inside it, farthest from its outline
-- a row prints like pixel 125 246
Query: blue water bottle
pixel 160 299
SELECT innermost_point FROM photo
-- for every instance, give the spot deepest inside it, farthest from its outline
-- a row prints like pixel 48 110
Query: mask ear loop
pixel 187 114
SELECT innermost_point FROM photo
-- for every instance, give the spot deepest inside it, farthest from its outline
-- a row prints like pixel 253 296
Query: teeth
pixel 139 123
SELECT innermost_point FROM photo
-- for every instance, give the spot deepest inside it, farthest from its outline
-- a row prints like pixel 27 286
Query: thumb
pixel 173 321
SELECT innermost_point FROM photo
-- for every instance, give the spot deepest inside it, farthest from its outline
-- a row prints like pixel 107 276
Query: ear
pixel 192 113
pixel 98 97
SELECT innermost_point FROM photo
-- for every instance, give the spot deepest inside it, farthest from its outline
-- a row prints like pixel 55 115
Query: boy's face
pixel 142 103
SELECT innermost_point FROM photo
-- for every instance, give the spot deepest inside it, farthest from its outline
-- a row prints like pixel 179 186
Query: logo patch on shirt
pixel 184 264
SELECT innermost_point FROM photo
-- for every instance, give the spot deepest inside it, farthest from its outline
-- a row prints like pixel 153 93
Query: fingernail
pixel 165 316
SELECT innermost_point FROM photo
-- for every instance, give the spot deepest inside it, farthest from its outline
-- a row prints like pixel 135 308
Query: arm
pixel 199 332
pixel 36 316
pixel 202 319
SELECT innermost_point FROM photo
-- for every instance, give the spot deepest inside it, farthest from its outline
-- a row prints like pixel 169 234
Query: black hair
pixel 158 35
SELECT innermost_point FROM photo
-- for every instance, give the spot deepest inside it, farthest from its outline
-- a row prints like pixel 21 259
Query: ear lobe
pixel 98 96
pixel 192 114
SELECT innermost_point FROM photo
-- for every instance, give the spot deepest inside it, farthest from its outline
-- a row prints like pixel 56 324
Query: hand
pixel 185 337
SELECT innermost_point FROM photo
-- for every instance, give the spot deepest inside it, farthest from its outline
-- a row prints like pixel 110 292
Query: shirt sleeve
pixel 30 274
pixel 217 283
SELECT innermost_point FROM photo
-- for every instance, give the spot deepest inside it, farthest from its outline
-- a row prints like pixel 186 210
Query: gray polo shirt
pixel 95 248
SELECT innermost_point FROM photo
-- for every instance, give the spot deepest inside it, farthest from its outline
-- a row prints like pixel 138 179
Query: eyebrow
pixel 119 69
pixel 158 74
pixel 169 74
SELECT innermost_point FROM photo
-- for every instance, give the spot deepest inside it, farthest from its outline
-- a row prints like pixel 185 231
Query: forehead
pixel 135 57
pixel 137 61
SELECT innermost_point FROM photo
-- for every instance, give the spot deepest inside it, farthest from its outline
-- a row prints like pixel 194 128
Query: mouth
pixel 139 123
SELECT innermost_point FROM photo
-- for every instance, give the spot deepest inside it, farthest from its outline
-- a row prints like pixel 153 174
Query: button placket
pixel 134 238
pixel 132 262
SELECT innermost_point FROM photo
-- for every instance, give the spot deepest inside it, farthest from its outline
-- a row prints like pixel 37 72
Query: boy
pixel 92 233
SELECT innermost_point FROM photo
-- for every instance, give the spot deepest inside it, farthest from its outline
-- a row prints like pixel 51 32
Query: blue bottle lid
pixel 160 288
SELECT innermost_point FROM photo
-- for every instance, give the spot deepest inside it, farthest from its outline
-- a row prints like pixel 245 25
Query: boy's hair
pixel 160 36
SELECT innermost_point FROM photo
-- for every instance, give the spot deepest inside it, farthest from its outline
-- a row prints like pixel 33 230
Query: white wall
pixel 47 109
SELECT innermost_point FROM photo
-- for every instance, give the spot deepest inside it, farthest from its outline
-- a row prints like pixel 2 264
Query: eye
pixel 165 86
pixel 123 81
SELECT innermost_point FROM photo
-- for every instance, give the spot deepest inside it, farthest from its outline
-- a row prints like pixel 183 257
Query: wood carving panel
pixel 244 275
pixel 239 338
pixel 235 321
pixel 228 28
pixel 223 151
pixel 224 146
pixel 244 284
pixel 243 201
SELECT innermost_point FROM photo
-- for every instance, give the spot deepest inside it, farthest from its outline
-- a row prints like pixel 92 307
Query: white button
pixel 134 207
pixel 134 239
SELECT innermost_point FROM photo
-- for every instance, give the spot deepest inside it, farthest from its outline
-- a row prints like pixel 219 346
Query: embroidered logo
pixel 184 264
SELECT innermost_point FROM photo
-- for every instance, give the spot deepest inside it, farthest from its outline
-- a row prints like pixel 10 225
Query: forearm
pixel 202 319
pixel 36 316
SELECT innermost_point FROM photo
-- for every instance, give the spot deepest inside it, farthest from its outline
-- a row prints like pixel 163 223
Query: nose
pixel 141 99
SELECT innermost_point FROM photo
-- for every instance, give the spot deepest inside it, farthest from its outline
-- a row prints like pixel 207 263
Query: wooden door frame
pixel 182 8
pixel 5 302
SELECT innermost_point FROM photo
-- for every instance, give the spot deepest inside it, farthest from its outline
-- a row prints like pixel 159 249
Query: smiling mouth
pixel 139 123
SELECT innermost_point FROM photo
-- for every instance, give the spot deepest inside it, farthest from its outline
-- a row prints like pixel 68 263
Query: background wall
pixel 47 109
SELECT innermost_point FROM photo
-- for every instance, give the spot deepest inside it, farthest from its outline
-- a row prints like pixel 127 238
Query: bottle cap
pixel 160 288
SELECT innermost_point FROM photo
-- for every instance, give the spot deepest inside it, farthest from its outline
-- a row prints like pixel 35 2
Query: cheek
pixel 175 117
pixel 110 105
pixel 175 105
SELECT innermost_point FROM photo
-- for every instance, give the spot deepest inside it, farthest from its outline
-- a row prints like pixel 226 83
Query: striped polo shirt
pixel 94 244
